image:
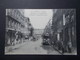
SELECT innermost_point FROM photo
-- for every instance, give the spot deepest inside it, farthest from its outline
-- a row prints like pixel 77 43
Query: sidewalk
pixel 10 48
pixel 73 52
pixel 29 47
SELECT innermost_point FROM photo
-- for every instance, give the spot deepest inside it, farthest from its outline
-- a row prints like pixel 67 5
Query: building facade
pixel 16 26
pixel 69 29
pixel 64 28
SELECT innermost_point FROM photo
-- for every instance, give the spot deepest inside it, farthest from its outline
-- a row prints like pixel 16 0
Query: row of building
pixel 62 29
pixel 18 27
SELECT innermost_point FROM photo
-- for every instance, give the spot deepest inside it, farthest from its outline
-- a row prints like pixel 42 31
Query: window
pixel 67 19
pixel 64 19
pixel 72 17
pixel 9 25
pixel 12 24
pixel 73 31
pixel 58 36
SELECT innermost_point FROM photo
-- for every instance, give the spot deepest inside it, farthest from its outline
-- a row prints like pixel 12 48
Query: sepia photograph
pixel 40 32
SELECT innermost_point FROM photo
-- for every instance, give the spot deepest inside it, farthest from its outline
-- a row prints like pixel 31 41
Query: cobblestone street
pixel 33 47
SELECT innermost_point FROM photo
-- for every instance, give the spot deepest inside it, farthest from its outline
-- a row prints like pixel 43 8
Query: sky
pixel 38 17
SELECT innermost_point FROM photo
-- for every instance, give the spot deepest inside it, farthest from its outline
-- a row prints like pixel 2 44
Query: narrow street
pixel 41 31
pixel 34 47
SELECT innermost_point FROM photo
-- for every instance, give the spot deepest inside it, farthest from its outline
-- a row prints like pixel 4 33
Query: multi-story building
pixel 64 28
pixel 57 24
pixel 29 31
pixel 69 28
pixel 47 29
pixel 38 33
pixel 16 26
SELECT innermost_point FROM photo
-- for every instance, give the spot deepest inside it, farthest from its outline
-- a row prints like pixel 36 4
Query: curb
pixel 57 50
